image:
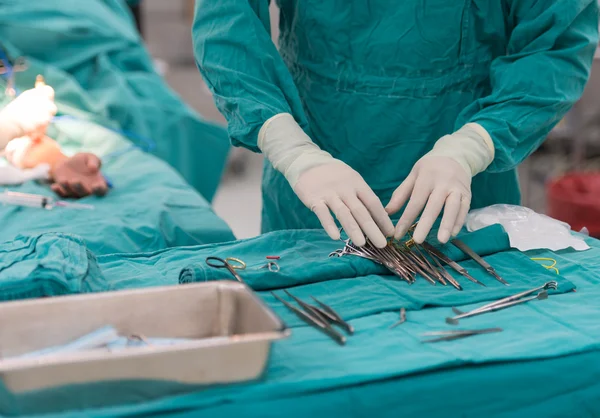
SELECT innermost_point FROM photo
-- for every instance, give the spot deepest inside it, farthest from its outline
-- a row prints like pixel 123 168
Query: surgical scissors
pixel 220 263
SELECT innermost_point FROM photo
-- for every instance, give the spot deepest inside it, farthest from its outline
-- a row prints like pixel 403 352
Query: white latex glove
pixel 324 183
pixel 10 175
pixel 442 179
pixel 29 113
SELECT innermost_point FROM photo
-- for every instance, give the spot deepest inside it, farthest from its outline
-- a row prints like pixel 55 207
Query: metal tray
pixel 233 328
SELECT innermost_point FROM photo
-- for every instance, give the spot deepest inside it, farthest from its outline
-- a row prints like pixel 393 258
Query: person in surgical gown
pixel 431 104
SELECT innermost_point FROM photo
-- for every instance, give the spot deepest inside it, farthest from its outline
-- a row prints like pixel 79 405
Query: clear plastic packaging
pixel 526 229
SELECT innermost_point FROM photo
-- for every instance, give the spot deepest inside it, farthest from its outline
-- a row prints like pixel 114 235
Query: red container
pixel 575 199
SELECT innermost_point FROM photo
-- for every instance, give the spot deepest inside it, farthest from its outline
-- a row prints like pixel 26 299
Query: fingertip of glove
pixel 400 231
pixel 380 242
pixel 359 240
pixel 333 234
pixel 443 236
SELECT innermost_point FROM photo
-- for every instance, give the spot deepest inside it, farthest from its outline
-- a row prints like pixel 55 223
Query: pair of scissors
pixel 230 263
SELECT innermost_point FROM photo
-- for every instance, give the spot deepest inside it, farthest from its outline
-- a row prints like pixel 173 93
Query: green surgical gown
pixel 377 82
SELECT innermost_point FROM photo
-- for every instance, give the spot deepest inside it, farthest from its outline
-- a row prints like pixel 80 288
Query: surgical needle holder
pixel 309 316
pixel 475 257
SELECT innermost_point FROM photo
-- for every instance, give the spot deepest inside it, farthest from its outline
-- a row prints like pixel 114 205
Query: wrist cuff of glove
pixel 288 148
pixel 471 146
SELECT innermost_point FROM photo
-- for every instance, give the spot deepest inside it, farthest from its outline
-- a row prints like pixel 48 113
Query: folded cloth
pixel 49 264
pixel 304 258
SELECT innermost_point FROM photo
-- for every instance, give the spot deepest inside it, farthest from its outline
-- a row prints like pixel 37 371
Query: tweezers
pixel 452 264
pixel 333 316
pixel 325 313
pixel 314 321
pixel 457 334
pixel 475 257
pixel 551 285
pixel 454 320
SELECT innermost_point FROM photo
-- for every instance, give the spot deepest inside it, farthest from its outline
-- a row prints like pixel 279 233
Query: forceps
pixel 219 263
pixel 457 334
pixel 540 296
pixel 312 318
pixel 475 257
pixel 324 312
pixel 509 301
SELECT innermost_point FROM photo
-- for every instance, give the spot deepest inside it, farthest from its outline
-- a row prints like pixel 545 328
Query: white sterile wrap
pixel 17 149
pixel 471 146
pixel 288 148
pixel 10 175
pixel 526 229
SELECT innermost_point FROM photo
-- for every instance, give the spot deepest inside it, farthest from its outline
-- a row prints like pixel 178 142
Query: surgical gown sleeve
pixel 242 67
pixel 545 69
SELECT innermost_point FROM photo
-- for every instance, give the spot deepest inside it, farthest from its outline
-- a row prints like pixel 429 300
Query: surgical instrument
pixel 324 312
pixel 219 263
pixel 443 271
pixel 540 296
pixel 551 285
pixel 452 264
pixel 405 260
pixel 412 244
pixel 401 320
pixel 458 334
pixel 308 307
pixel 334 316
pixel 443 274
pixel 475 257
pixel 314 321
pixel 272 266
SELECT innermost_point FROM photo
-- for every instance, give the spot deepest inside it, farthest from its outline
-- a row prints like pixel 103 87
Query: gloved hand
pixel 442 179
pixel 338 188
pixel 28 114
pixel 324 183
pixel 78 176
pixel 11 175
